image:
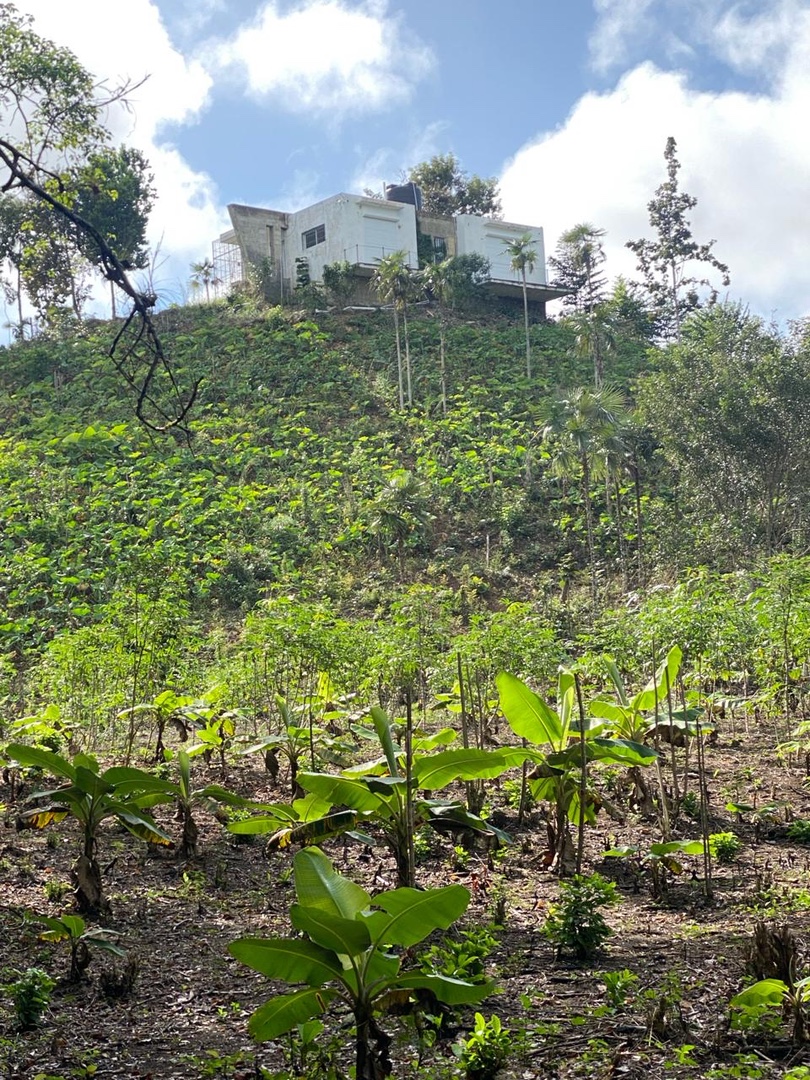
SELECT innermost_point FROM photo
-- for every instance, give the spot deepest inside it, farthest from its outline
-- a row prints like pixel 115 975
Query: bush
pixel 574 923
pixel 725 846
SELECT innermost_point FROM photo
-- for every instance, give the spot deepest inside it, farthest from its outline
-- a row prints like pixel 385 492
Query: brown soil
pixel 187 1013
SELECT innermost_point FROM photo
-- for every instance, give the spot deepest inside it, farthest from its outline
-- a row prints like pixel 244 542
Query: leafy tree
pixel 730 406
pixel 577 266
pixel 448 190
pixel 116 194
pixel 665 261
pixel 395 283
pixel 582 427
pixel 523 256
pixel 51 121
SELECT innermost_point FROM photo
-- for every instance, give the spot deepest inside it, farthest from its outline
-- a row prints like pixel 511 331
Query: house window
pixel 314 236
pixel 439 249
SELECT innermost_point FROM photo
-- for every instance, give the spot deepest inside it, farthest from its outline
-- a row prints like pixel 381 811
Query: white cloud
pixel 742 155
pixel 387 164
pixel 619 24
pixel 325 56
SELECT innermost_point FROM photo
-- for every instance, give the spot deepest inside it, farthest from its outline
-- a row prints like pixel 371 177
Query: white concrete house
pixel 362 230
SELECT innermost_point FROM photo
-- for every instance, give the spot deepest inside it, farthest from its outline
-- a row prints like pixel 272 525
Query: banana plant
pixel 657 860
pixel 187 797
pixel 347 956
pixel 91 796
pixel 72 928
pixel 650 713
pixel 294 742
pixel 168 709
pixel 385 793
pixel 559 776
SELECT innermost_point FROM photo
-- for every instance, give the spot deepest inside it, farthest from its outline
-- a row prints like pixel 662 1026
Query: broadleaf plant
pixel 346 956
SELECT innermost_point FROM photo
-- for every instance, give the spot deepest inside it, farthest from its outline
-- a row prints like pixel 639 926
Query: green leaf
pixel 281 1014
pixel 140 825
pixel 318 885
pixel 439 770
pixel 764 992
pixel 382 725
pixel 412 914
pixel 348 937
pixel 342 791
pixel 527 714
pixel 450 991
pixel 31 757
pixel 289 959
pixel 685 847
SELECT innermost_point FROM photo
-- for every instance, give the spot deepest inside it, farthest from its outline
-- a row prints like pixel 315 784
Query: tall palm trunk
pixel 399 359
pixel 586 497
pixel 407 353
pixel 526 327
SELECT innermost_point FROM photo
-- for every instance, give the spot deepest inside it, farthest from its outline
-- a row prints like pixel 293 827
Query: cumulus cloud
pixel 740 156
pixel 325 56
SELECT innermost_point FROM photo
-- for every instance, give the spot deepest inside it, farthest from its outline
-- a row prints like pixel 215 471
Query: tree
pixel 665 261
pixel 583 428
pixel 116 195
pixel 576 266
pixel 51 121
pixel 730 406
pixel 523 256
pixel 448 190
pixel 394 283
pixel 204 275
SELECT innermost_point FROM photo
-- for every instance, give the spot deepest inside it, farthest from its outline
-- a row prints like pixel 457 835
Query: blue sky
pixel 284 102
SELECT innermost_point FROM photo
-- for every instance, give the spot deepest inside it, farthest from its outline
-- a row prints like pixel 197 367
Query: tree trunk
pixel 526 327
pixel 443 369
pixel 586 495
pixel 407 354
pixel 399 359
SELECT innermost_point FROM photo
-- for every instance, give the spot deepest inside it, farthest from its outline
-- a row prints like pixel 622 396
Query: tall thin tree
pixel 523 258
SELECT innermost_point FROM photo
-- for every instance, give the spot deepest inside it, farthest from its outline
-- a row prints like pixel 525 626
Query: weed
pixel 215 1066
pixel 618 986
pixel 725 846
pixel 745 1067
pixel 488 1048
pixel 574 923
pixel 683 1057
pixel 31 995
pixel 690 804
pixel 799 830
pixel 56 891
pixel 461 957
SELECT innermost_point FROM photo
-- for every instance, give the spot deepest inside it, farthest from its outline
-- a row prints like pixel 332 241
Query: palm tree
pixel 393 282
pixel 584 430
pixel 204 274
pixel 438 281
pixel 594 337
pixel 399 512
pixel 523 256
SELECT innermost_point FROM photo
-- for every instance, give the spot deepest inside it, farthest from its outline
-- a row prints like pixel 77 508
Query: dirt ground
pixel 186 1014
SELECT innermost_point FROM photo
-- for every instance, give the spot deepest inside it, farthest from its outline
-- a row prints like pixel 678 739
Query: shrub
pixel 574 923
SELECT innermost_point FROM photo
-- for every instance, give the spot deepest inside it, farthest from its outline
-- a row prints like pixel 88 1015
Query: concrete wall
pixel 488 237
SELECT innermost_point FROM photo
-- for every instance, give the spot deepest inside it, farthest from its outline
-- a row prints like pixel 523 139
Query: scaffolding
pixel 228 269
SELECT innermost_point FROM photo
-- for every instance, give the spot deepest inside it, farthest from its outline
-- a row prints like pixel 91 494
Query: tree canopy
pixel 55 160
pixel 665 261
pixel 448 190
